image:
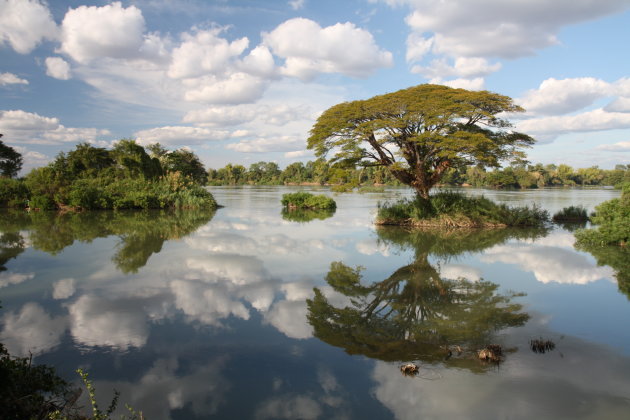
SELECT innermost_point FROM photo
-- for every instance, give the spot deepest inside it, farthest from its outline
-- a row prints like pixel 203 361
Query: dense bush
pixel 13 193
pixel 305 200
pixel 448 208
pixel 613 222
pixel 571 214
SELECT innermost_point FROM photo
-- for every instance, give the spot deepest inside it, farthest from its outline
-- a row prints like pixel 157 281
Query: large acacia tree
pixel 420 132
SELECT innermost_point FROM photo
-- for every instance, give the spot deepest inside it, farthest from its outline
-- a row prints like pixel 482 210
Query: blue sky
pixel 243 81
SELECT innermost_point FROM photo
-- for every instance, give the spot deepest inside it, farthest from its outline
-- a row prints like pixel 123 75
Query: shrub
pixel 305 200
pixel 13 193
pixel 447 208
pixel 613 220
pixel 571 214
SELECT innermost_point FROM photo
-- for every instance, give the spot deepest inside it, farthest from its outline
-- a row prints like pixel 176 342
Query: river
pixel 249 312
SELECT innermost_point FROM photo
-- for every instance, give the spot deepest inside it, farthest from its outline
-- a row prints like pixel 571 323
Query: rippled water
pixel 251 313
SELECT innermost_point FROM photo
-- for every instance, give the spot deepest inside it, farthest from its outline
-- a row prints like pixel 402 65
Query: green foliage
pixel 617 257
pixel 613 222
pixel 571 214
pixel 305 200
pixel 10 161
pixel 29 391
pixel 13 193
pixel 453 209
pixel 306 215
pixel 420 132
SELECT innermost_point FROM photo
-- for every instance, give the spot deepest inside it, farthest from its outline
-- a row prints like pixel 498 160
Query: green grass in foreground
pixel 453 209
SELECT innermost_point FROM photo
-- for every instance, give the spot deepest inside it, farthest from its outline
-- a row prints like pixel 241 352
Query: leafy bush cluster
pixel 305 200
pixel 447 208
pixel 126 177
pixel 613 222
pixel 571 214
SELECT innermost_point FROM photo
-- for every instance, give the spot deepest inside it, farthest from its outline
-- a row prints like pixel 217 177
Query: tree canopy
pixel 420 132
pixel 10 161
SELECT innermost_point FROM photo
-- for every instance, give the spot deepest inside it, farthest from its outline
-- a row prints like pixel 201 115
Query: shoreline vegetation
pixel 450 209
pixel 303 200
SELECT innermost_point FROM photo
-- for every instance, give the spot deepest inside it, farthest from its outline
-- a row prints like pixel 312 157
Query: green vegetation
pixel 10 161
pixel 420 132
pixel 613 222
pixel 575 214
pixel 415 313
pixel 140 234
pixel 306 215
pixel 305 200
pixel 452 209
pixel 125 177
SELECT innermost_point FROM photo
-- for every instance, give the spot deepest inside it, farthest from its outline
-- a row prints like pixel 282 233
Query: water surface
pixel 249 312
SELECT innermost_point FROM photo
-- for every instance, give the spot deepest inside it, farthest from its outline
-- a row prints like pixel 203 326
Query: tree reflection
pixel 415 313
pixel 306 215
pixel 617 257
pixel 141 233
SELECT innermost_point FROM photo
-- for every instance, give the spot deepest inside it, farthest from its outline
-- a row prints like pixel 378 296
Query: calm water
pixel 252 313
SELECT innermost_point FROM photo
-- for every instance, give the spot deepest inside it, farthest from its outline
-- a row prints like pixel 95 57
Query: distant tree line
pixel 322 172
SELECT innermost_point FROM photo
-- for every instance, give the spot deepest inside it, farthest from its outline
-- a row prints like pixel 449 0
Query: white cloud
pixel 622 146
pixel 259 62
pixel 119 323
pixel 555 97
pixel 595 120
pixel 298 154
pixel 63 288
pixel 8 279
pixel 31 330
pixel 11 79
pixel 456 271
pixel 296 4
pixel 470 84
pixel 25 23
pixel 31 128
pixel 464 67
pixel 179 135
pixel 58 68
pixel 222 115
pixel 236 88
pixel 309 49
pixel 90 32
pixel 203 53
pixel 495 28
pixel 268 144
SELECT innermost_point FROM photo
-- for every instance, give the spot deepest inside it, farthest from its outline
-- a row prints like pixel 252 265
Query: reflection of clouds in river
pixel 164 387
pixel 371 247
pixel 8 278
pixel 457 271
pixel 234 268
pixel 289 407
pixel 63 288
pixel 120 322
pixel 207 303
pixel 589 381
pixel 31 330
pixel 559 239
pixel 549 264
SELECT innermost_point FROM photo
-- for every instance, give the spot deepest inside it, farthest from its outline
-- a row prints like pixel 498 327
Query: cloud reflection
pixel 31 330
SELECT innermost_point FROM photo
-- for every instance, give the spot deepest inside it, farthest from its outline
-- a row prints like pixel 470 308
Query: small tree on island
pixel 420 132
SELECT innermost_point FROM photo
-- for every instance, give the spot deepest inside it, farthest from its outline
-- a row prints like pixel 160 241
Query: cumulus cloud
pixel 309 49
pixel 63 288
pixel 180 135
pixel 90 32
pixel 120 323
pixel 298 154
pixel 204 52
pixel 31 330
pixel 462 67
pixel 549 264
pixel 622 146
pixel 11 79
pixel 236 88
pixel 555 97
pixel 221 115
pixel 31 128
pixel 499 28
pixel 268 144
pixel 25 23
pixel 595 120
pixel 474 84
pixel 58 68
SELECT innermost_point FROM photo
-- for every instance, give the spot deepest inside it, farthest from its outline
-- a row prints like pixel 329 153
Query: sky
pixel 243 81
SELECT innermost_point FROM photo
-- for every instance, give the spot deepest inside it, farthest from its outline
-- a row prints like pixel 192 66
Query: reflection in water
pixel 416 313
pixel 617 257
pixel 141 233
pixel 306 215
